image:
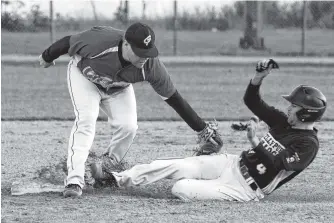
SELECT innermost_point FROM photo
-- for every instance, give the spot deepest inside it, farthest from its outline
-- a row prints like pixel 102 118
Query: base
pixel 34 187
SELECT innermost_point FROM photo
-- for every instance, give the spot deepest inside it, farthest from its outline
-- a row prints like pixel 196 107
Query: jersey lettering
pixel 261 168
pixel 293 158
pixel 105 82
pixel 271 145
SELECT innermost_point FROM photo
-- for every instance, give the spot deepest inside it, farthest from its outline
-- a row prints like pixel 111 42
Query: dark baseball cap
pixel 141 39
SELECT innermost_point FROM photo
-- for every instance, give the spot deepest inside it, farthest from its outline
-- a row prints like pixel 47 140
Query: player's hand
pixel 263 68
pixel 43 63
pixel 251 131
pixel 251 127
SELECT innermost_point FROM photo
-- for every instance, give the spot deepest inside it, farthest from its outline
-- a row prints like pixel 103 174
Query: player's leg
pixel 191 189
pixel 198 167
pixel 230 186
pixel 121 110
pixel 85 99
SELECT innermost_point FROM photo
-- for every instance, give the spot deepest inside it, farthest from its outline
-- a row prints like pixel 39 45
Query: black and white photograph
pixel 167 111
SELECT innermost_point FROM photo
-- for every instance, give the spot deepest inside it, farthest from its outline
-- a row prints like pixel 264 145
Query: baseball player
pixel 285 151
pixel 104 64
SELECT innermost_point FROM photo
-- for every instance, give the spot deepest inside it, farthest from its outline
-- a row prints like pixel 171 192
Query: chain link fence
pixel 249 28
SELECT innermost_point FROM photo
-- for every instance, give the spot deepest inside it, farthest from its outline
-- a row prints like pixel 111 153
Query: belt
pixel 249 180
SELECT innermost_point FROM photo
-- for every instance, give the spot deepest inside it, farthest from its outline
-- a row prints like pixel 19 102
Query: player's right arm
pixel 58 48
pixel 253 100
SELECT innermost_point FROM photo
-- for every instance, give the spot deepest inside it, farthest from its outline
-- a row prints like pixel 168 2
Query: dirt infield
pixel 27 147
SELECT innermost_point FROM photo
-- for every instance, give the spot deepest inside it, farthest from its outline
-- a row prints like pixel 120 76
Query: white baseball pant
pixel 215 177
pixel 86 98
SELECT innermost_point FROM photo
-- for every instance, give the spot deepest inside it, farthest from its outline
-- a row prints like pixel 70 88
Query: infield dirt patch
pixel 27 147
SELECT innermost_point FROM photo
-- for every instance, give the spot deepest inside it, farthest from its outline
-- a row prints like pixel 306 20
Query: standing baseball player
pixel 285 151
pixel 104 64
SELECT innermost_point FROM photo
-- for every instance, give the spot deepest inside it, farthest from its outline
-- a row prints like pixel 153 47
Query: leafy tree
pixel 11 21
pixel 320 8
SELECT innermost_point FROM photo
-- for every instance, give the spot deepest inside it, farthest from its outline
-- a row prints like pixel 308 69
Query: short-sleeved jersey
pixel 283 152
pixel 100 62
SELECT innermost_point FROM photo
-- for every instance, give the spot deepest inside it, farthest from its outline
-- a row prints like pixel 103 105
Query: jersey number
pixel 261 168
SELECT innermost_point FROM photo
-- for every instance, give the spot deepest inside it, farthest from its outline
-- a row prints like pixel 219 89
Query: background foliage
pixel 276 14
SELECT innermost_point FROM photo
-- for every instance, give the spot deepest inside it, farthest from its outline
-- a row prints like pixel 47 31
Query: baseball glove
pixel 209 140
pixel 243 126
pixel 239 126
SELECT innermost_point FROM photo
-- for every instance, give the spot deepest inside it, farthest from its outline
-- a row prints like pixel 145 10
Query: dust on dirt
pixel 38 149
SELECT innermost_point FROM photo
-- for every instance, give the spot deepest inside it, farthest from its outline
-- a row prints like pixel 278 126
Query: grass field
pixel 29 146
pixel 214 92
pixel 278 41
pixel 30 93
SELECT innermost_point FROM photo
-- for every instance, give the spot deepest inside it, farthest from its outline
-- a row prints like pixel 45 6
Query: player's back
pixel 92 42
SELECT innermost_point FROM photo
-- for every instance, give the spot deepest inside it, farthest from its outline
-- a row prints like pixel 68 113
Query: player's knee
pixel 185 170
pixel 129 127
pixel 86 124
pixel 181 189
pixel 179 186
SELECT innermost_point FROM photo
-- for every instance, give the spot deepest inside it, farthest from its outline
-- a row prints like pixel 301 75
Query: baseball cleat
pixel 102 178
pixel 72 190
pixel 97 172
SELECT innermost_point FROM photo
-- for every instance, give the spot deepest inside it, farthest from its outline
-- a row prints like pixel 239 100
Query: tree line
pixel 276 15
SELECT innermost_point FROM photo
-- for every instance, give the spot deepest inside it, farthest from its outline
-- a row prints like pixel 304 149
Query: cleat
pixel 97 172
pixel 102 177
pixel 72 190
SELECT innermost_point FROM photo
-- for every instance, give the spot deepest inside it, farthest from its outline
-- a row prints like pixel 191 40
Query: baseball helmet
pixel 312 101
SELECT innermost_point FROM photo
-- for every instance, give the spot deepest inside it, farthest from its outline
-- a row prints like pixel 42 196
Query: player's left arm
pixel 251 127
pixel 161 82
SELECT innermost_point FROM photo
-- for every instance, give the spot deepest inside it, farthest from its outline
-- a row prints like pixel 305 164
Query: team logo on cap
pixel 147 40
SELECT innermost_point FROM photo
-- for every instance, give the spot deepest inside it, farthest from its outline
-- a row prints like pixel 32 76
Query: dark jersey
pixel 283 152
pixel 99 49
pixel 98 52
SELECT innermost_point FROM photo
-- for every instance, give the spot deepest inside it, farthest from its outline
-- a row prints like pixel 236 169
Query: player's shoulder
pixel 111 33
pixel 107 29
pixel 154 65
pixel 306 141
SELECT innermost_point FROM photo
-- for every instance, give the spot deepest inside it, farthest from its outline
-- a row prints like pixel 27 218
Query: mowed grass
pixel 214 92
pixel 318 42
pixel 26 147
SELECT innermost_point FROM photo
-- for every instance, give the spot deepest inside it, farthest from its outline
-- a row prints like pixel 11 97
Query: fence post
pixel 259 15
pixel 94 10
pixel 304 26
pixel 143 17
pixel 52 25
pixel 126 12
pixel 175 29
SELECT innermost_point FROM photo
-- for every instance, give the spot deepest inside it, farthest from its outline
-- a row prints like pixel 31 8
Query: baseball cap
pixel 141 39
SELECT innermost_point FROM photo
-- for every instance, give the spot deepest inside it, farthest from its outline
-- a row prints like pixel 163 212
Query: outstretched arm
pixel 186 112
pixel 161 82
pixel 253 100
